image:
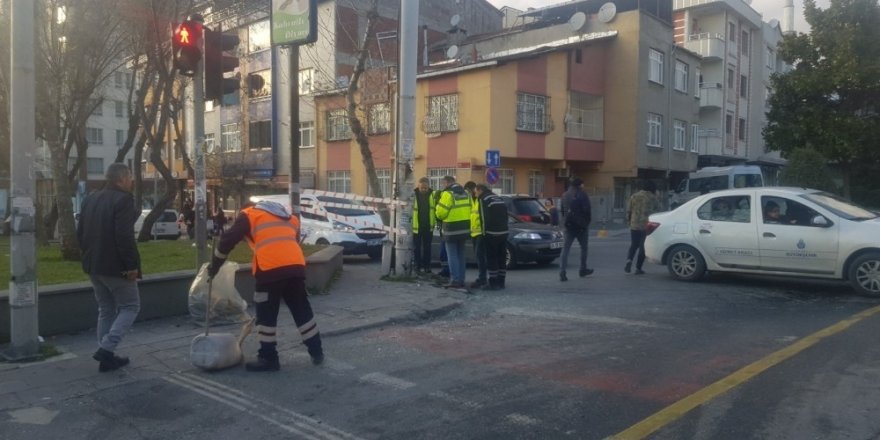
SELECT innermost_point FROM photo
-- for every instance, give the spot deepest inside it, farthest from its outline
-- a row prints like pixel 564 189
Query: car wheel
pixel 510 258
pixel 322 241
pixel 864 274
pixel 685 263
pixel 375 254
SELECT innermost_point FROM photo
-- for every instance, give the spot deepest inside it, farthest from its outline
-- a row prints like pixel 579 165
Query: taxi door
pixel 792 242
pixel 726 230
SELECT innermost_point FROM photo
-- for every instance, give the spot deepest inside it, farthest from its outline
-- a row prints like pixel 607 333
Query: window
pixel 782 211
pixel 435 175
pixel 656 66
pixel 504 185
pixel 680 128
pixel 337 125
pixel 258 36
pixel 655 130
pixel 695 133
pixel 442 114
pixel 120 108
pixel 728 123
pixel 536 183
pixel 339 181
pixel 531 112
pixel 230 140
pixel 698 81
pixel 97 106
pixel 741 133
pixel 262 92
pixel 94 135
pixel 730 76
pixel 307 134
pixel 95 165
pixel 209 143
pixel 120 137
pixel 306 81
pixel 731 32
pixel 744 43
pixel 585 116
pixel 727 209
pixel 118 79
pixel 681 76
pixel 260 135
pixel 380 118
pixel 743 86
pixel 384 175
pixel 770 58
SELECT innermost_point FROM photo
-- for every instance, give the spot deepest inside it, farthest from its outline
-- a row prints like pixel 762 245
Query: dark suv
pixel 527 208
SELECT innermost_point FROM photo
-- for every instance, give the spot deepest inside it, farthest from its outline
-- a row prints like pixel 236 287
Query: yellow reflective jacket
pixel 476 222
pixel 432 202
pixel 454 210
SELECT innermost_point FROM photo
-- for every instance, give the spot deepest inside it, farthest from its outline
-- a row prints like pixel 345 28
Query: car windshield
pixel 529 206
pixel 840 207
pixel 345 212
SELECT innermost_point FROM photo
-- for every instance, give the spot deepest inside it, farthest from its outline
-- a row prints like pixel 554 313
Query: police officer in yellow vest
pixel 423 223
pixel 477 236
pixel 454 210
pixel 279 268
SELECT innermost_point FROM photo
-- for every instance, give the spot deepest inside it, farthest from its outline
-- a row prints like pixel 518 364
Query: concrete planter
pixel 67 308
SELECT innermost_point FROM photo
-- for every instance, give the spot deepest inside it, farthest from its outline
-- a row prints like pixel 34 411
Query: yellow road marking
pixel 678 409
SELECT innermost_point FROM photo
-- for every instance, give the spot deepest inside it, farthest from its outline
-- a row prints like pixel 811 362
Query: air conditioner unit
pixel 563 173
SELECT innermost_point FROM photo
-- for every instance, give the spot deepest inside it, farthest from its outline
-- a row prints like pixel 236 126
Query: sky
pixel 769 9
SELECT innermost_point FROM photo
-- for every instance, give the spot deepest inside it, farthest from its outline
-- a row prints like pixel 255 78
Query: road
pixel 607 355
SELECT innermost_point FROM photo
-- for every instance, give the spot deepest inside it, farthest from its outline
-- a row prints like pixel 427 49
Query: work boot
pixel 317 359
pixel 109 361
pixel 478 283
pixel 628 266
pixel 492 285
pixel 562 276
pixel 501 282
pixel 585 272
pixel 263 364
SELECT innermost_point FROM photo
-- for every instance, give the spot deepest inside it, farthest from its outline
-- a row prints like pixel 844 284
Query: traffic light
pixel 185 44
pixel 217 63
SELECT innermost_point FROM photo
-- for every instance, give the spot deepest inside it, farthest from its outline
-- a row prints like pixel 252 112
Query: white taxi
pixel 773 231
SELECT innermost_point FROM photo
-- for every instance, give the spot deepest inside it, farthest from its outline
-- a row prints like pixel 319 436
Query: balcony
pixel 710 46
pixel 711 96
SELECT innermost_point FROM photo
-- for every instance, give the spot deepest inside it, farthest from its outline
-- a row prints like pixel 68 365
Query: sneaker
pixel 263 364
pixel 639 272
pixel 109 361
pixel 317 359
pixel 562 276
pixel 628 266
pixel 478 283
pixel 585 272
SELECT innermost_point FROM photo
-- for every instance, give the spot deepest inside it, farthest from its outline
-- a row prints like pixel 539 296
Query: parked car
pixel 527 208
pixel 773 231
pixel 166 225
pixel 526 242
pixel 711 179
pixel 357 231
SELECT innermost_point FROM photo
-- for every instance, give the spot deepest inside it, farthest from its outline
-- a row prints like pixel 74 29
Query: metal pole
pixel 23 295
pixel 293 74
pixel 405 145
pixel 201 190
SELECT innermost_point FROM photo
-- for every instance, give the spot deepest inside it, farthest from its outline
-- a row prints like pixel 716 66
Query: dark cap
pixel 470 185
pixel 448 179
pixel 577 181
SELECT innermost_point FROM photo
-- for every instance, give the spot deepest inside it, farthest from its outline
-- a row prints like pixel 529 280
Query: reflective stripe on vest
pixel 273 240
pixel 458 222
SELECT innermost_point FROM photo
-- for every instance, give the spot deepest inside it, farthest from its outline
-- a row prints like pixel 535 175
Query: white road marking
pixel 522 419
pixel 593 319
pixel 456 400
pixel 384 379
pixel 33 416
pixel 288 420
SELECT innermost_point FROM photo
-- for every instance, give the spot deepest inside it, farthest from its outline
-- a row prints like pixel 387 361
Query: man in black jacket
pixel 110 257
pixel 493 218
pixel 576 215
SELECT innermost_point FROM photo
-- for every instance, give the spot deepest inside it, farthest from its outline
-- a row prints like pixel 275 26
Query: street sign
pixel 491 175
pixel 294 22
pixel 493 158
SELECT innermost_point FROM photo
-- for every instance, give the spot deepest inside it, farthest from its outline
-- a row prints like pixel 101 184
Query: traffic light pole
pixel 201 191
pixel 23 294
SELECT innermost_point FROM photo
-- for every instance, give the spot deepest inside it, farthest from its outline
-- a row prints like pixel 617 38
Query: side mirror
pixel 820 221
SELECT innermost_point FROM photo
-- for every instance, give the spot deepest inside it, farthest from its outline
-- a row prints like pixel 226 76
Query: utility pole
pixel 293 185
pixel 201 189
pixel 23 294
pixel 406 132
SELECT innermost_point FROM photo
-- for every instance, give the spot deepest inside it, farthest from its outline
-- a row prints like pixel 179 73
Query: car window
pixel 840 207
pixel 708 184
pixel 783 211
pixel 168 217
pixel 345 212
pixel 747 180
pixel 735 209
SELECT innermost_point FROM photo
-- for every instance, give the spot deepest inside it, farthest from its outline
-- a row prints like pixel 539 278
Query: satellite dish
pixel 607 12
pixel 773 23
pixel 455 20
pixel 577 21
pixel 452 52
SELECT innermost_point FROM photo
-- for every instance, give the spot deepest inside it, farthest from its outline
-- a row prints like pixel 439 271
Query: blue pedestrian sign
pixel 493 158
pixel 491 175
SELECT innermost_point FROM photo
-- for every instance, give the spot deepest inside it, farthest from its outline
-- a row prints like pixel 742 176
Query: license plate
pixel 556 245
pixel 374 242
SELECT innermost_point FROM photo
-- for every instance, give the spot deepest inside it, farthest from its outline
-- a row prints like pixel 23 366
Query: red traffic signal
pixel 185 43
pixel 217 63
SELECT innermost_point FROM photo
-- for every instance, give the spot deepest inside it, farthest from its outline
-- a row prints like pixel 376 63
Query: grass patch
pixel 48 350
pixel 156 257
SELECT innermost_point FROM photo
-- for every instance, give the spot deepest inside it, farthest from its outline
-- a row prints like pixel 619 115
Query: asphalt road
pixel 607 355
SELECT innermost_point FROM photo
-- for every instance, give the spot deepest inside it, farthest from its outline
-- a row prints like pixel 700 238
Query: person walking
pixel 219 221
pixel 110 257
pixel 576 214
pixel 639 207
pixel 493 218
pixel 454 210
pixel 477 235
pixel 554 212
pixel 279 268
pixel 423 222
pixel 189 219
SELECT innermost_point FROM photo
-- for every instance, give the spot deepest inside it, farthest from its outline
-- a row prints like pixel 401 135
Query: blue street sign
pixel 493 158
pixel 491 175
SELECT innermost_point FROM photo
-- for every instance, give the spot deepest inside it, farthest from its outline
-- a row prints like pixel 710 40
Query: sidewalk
pixel 357 300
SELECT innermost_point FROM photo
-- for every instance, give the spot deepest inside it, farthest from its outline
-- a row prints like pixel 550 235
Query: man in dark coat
pixel 576 215
pixel 110 257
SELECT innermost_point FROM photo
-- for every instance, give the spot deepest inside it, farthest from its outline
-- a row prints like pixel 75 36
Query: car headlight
pixel 527 236
pixel 339 226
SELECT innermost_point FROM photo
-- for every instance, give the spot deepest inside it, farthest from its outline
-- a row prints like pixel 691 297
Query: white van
pixel 358 231
pixel 710 179
pixel 165 226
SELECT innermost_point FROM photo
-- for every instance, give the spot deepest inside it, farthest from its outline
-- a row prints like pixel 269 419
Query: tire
pixel 685 263
pixel 322 241
pixel 375 254
pixel 864 274
pixel 510 258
